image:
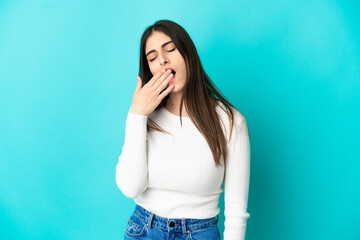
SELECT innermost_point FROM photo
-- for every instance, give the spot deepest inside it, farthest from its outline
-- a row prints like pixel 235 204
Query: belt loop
pixel 150 220
pixel 183 226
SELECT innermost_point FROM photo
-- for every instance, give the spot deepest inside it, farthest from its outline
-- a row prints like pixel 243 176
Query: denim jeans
pixel 147 225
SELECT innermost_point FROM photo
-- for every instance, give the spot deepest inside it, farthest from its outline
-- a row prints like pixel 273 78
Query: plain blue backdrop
pixel 68 73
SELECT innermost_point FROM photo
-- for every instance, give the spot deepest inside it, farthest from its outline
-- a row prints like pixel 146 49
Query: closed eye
pixel 168 51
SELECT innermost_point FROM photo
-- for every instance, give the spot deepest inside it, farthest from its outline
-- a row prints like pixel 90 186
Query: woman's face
pixel 161 53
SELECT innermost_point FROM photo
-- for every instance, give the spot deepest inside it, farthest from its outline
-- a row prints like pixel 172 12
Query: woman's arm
pixel 132 167
pixel 237 174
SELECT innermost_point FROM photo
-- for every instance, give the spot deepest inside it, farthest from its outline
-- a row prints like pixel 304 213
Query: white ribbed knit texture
pixel 174 176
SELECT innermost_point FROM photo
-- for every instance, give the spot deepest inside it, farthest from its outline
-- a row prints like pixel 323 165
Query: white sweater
pixel 174 176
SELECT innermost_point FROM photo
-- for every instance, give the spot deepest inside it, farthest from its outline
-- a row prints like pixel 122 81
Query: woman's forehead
pixel 156 40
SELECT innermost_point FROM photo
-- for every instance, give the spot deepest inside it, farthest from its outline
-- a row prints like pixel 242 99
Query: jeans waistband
pixel 173 224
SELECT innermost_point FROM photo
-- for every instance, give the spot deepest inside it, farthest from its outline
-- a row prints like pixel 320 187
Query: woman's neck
pixel 173 105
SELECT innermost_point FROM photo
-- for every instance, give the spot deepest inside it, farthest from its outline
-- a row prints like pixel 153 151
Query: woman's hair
pixel 200 94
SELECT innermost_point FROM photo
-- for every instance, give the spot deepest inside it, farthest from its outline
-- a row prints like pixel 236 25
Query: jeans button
pixel 171 224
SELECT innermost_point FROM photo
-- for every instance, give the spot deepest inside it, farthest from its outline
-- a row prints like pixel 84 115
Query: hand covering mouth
pixel 172 70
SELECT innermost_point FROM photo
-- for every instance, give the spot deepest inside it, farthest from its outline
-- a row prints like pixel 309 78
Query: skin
pixel 162 58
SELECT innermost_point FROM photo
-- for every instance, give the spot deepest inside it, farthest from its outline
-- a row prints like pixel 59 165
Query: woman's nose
pixel 163 59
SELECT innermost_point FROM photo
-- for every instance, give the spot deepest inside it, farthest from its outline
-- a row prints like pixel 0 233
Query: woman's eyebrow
pixel 162 46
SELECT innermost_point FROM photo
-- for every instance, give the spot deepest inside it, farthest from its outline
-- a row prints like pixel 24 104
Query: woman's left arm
pixel 237 175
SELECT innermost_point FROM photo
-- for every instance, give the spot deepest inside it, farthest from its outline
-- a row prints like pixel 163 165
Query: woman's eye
pixel 168 51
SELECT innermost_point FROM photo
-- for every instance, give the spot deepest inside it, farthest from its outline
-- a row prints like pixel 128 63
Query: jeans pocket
pixel 135 227
pixel 209 233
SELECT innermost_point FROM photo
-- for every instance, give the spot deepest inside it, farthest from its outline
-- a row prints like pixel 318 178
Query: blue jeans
pixel 146 225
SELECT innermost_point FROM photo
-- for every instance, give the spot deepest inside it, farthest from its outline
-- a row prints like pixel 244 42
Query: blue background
pixel 68 72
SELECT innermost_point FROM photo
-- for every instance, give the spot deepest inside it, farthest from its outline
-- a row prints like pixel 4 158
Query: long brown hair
pixel 200 93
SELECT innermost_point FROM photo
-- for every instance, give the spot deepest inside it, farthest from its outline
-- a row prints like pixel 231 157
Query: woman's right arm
pixel 132 167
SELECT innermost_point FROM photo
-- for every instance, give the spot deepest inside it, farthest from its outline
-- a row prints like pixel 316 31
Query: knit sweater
pixel 174 176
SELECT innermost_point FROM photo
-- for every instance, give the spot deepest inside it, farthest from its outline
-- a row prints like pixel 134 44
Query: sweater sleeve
pixel 237 174
pixel 132 168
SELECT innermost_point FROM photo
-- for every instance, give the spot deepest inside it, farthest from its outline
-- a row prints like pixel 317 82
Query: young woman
pixel 183 140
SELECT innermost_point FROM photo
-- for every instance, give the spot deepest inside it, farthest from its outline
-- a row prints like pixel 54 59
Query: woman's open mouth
pixel 172 80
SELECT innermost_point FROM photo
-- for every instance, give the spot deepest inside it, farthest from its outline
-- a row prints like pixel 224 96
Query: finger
pixel 166 92
pixel 164 84
pixel 139 84
pixel 163 79
pixel 156 77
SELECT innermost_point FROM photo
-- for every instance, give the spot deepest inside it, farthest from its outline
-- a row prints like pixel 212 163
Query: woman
pixel 174 170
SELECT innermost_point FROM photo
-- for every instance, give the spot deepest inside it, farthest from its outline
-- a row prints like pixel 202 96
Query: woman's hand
pixel 148 97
